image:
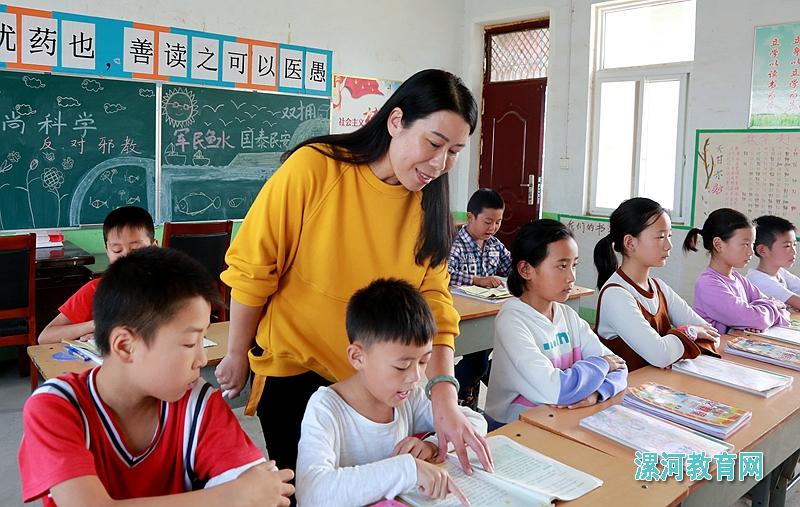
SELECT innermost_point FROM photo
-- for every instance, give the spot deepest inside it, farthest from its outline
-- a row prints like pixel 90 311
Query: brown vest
pixel 660 322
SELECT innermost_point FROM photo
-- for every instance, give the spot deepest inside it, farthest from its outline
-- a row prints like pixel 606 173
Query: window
pixel 644 52
pixel 521 54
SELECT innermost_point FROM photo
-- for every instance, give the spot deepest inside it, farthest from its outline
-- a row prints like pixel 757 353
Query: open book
pixel 88 351
pixel 709 416
pixel 765 352
pixel 494 295
pixel 642 432
pixel 753 380
pixel 781 334
pixel 522 477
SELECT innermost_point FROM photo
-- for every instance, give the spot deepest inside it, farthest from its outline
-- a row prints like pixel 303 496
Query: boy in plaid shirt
pixel 477 257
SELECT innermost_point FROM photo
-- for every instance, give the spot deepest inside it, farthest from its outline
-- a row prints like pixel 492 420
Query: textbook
pixel 781 334
pixel 695 412
pixel 494 295
pixel 752 380
pixel 88 351
pixel 643 432
pixel 522 477
pixel 765 352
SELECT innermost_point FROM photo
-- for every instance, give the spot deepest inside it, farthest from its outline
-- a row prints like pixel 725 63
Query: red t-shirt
pixel 78 308
pixel 69 432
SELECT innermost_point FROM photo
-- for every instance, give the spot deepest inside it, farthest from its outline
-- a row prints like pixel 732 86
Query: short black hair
pixel 144 290
pixel 531 245
pixel 389 310
pixel 767 229
pixel 132 217
pixel 484 198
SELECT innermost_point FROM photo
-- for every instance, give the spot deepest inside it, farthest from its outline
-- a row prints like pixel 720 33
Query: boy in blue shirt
pixel 477 257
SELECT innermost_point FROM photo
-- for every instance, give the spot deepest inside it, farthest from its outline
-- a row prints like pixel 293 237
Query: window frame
pixel 680 208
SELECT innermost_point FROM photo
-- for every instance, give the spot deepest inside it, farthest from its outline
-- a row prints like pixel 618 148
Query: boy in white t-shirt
pixel 776 249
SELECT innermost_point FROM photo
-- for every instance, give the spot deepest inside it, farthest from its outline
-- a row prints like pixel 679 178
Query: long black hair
pixel 421 95
pixel 721 223
pixel 531 245
pixel 631 217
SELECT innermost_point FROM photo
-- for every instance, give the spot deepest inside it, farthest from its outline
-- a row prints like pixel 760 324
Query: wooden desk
pixel 477 320
pixel 619 488
pixel 42 355
pixel 773 429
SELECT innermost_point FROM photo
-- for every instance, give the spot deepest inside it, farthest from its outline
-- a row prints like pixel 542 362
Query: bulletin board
pixel 754 171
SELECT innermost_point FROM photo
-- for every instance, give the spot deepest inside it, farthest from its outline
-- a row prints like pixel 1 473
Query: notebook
pixel 493 295
pixel 781 334
pixel 522 477
pixel 752 380
pixel 711 417
pixel 643 432
pixel 765 352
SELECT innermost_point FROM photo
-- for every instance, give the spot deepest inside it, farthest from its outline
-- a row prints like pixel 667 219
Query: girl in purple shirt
pixel 722 296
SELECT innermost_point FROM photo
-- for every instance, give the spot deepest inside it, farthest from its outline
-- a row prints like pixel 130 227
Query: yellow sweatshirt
pixel 318 231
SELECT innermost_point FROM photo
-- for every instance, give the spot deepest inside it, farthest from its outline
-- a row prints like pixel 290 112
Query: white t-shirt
pixel 782 286
pixel 345 459
pixel 620 317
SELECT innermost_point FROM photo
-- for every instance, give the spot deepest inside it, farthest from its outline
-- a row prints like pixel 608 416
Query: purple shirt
pixel 734 302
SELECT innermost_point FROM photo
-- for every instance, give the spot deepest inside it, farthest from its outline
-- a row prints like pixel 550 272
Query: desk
pixel 42 355
pixel 619 488
pixel 773 430
pixel 477 320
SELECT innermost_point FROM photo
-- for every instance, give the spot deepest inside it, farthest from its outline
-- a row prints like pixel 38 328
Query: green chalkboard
pixel 219 146
pixel 73 149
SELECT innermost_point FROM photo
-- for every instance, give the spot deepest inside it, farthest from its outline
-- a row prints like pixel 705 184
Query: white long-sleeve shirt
pixel 537 361
pixel 345 459
pixel 782 286
pixel 620 317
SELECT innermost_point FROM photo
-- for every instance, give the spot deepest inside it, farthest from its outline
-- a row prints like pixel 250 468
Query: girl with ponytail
pixel 641 318
pixel 722 296
pixel 544 353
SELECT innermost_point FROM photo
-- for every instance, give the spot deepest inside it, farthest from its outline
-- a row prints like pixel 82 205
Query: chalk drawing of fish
pixel 97 203
pixel 108 175
pixel 132 178
pixel 195 203
pixel 133 200
pixel 235 202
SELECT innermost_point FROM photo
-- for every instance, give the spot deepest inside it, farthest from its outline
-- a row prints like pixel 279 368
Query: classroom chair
pixel 206 242
pixel 18 298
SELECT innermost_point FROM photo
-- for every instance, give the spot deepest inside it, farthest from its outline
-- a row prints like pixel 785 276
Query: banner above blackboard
pixel 73 44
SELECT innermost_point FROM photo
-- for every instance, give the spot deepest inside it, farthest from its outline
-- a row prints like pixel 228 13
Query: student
pixel 477 257
pixel 125 229
pixel 641 318
pixel 360 438
pixel 144 424
pixel 543 352
pixel 776 249
pixel 722 296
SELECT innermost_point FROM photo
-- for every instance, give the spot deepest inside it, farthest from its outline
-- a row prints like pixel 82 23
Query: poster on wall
pixel 774 100
pixel 355 100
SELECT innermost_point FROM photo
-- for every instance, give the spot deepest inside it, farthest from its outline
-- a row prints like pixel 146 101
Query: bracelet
pixel 441 378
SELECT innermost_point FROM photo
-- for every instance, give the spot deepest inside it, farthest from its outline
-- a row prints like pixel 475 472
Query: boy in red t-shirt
pixel 144 424
pixel 125 229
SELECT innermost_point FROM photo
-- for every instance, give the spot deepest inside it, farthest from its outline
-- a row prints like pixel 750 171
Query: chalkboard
pixel 218 146
pixel 73 149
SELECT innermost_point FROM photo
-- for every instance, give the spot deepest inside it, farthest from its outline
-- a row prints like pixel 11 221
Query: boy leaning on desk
pixel 477 257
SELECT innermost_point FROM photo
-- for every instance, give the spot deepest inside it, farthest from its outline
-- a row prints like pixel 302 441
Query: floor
pixel 14 390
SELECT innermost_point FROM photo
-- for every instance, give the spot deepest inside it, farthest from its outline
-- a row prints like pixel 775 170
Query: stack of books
pixel 711 417
pixel 765 352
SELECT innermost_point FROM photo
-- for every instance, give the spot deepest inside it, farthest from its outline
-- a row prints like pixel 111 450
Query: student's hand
pixel 488 282
pixel 780 305
pixel 434 482
pixel 586 402
pixel 262 485
pixel 420 449
pixel 753 330
pixel 707 333
pixel 614 362
pixel 453 427
pixel 86 337
pixel 232 373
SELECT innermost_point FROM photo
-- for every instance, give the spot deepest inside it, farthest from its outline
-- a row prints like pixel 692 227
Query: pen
pixel 78 352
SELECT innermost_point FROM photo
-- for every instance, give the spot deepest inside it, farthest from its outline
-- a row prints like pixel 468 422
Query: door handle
pixel 530 186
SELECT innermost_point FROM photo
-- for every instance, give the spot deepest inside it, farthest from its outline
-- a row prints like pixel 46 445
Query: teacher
pixel 340 212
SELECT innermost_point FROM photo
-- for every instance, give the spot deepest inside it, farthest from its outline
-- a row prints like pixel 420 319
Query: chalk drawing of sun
pixel 179 107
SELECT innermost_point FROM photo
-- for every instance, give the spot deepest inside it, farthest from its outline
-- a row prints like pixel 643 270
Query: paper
pixel 646 433
pixel 208 343
pixel 784 334
pixel 732 374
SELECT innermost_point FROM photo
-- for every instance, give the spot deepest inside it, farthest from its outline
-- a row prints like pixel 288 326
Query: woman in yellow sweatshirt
pixel 340 212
